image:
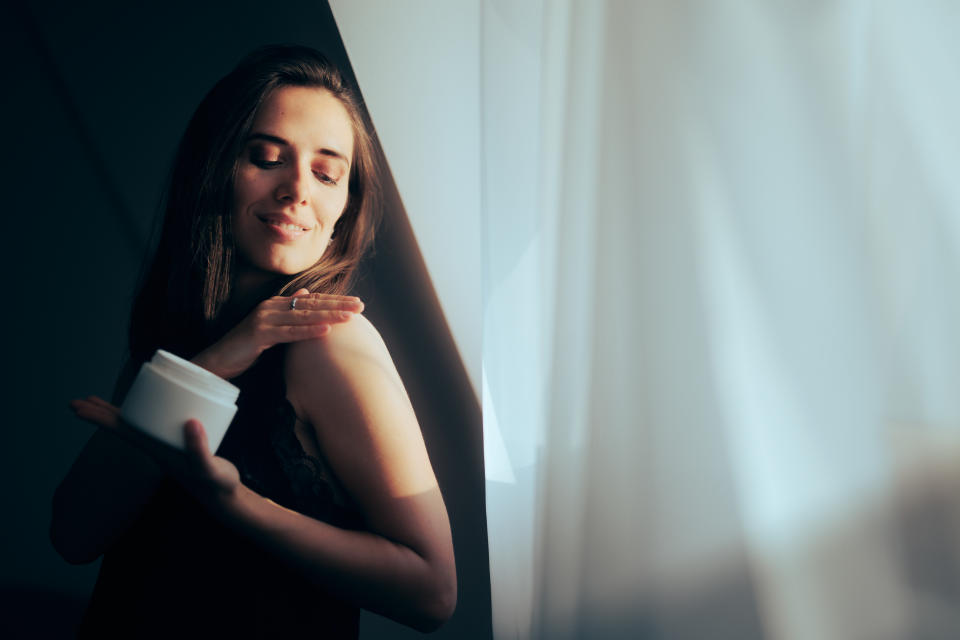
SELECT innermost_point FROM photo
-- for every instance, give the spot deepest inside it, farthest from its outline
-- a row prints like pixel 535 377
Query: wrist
pixel 238 507
pixel 207 361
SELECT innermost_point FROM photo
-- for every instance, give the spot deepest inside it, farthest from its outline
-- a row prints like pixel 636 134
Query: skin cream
pixel 168 391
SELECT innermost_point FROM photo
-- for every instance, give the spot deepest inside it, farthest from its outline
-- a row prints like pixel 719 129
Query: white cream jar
pixel 169 390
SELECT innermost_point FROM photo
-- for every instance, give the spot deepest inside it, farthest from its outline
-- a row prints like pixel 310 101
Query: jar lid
pixel 192 375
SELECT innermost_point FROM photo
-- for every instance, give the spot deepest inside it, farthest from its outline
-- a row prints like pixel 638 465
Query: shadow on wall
pixel 99 98
pixel 30 612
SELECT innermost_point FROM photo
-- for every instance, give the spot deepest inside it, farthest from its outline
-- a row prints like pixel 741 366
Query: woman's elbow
pixel 439 606
pixel 443 609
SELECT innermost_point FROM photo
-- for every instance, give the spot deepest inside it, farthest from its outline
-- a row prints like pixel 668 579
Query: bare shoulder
pixel 352 357
pixel 354 338
pixel 345 386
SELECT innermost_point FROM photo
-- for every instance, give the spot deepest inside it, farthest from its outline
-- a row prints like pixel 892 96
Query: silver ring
pixel 293 303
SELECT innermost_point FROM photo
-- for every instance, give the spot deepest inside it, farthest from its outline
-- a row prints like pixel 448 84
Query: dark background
pixel 93 106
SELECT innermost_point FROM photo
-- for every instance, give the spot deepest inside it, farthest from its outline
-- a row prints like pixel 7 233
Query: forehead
pixel 308 118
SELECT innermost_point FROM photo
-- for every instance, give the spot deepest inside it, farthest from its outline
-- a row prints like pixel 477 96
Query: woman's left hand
pixel 211 479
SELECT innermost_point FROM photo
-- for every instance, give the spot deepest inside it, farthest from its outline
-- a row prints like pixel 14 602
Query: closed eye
pixel 322 177
pixel 266 164
pixel 265 156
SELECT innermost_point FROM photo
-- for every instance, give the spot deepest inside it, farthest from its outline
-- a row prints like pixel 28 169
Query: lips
pixel 283 227
pixel 282 220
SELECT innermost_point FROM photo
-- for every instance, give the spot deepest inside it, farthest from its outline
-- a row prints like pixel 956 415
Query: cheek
pixel 341 206
pixel 247 189
pixel 330 209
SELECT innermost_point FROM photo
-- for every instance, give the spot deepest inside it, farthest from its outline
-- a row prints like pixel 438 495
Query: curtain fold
pixel 720 336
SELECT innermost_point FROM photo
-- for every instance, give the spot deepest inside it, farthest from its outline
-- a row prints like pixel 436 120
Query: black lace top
pixel 180 573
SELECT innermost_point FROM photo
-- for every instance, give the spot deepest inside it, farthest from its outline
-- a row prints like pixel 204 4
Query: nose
pixel 294 186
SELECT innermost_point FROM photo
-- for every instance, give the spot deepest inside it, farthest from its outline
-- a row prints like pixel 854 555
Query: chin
pixel 282 267
pixel 290 270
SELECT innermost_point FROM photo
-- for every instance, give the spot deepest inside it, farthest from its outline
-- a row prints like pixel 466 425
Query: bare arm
pixel 103 493
pixel 347 387
pixel 113 479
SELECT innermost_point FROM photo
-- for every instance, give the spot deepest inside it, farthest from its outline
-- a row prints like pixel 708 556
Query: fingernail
pixel 346 315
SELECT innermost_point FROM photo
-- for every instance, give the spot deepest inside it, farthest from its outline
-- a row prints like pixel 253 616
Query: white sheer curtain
pixel 721 353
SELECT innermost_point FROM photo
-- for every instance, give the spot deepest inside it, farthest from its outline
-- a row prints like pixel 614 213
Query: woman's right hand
pixel 272 322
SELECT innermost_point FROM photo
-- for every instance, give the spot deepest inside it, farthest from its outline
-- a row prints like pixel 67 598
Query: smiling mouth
pixel 285 226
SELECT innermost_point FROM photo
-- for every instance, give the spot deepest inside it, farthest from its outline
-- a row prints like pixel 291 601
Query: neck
pixel 250 287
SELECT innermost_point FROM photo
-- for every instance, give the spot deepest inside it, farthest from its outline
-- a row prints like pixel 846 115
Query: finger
pixel 307 316
pixel 334 296
pixel 282 315
pixel 103 403
pixel 311 301
pixel 314 301
pixel 321 298
pixel 96 413
pixel 220 473
pixel 301 292
pixel 195 439
pixel 295 333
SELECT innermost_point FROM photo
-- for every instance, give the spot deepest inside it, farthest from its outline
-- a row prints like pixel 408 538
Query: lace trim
pixel 311 478
pixel 311 484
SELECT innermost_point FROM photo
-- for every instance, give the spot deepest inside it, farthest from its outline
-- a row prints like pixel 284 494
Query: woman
pixel 322 498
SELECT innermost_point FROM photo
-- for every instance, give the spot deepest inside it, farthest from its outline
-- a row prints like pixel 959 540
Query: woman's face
pixel 291 184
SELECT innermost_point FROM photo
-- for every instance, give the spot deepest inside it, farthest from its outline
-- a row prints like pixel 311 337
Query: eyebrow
pixel 278 140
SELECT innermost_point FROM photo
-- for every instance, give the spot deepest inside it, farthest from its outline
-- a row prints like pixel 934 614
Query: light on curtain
pixel 720 351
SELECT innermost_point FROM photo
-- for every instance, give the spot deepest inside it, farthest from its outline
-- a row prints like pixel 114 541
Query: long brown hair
pixel 189 279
